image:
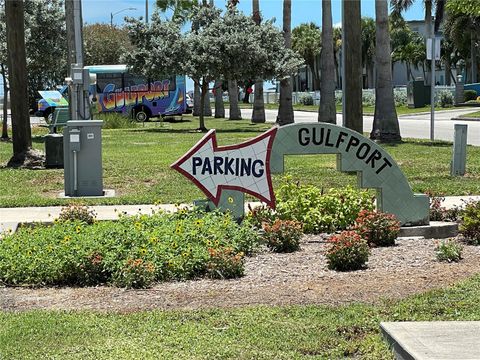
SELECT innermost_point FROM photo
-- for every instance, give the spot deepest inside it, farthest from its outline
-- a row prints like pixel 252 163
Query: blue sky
pixel 302 10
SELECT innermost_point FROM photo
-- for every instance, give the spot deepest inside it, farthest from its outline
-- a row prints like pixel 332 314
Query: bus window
pixel 104 79
pixel 135 80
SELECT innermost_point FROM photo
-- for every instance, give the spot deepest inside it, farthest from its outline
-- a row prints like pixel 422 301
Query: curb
pixel 436 230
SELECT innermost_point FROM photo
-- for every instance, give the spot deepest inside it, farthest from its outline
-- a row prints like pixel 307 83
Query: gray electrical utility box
pixel 82 150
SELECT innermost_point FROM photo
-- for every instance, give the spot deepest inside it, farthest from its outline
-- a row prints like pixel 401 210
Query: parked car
pixel 189 101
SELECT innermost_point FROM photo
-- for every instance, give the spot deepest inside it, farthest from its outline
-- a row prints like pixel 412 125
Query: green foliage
pixel 116 121
pixel 181 9
pixel 470 222
pixel 131 252
pixel 283 236
pixel 259 215
pixel 347 251
pixel 377 228
pixel 470 95
pixel 400 97
pixel 305 99
pixel 77 212
pixel 224 263
pixel 449 250
pixel 46 48
pixel 318 212
pixel 104 44
pixel 368 98
pixel 465 7
pixel 307 41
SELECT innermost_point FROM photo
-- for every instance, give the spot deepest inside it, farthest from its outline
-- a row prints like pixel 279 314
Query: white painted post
pixel 459 155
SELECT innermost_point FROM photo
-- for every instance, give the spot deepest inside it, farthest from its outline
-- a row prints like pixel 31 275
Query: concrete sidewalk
pixel 10 218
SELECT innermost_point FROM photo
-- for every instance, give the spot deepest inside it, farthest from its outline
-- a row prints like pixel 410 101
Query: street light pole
pixel 112 14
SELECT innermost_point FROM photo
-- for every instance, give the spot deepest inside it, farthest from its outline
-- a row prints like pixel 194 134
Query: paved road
pixel 411 126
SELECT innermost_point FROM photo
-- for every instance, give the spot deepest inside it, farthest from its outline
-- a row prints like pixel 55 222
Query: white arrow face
pixel 244 167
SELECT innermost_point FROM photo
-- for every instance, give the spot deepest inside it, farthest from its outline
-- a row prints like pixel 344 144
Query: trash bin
pixel 417 93
pixel 54 151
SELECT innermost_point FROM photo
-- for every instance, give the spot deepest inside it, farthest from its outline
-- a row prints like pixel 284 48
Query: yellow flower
pixel 138 226
pixel 185 254
pixel 230 200
pixel 199 222
pixel 178 230
pixel 78 229
pixel 49 248
pixel 174 245
pixel 143 251
pixel 29 253
pixel 153 239
pixel 66 239
pixel 170 263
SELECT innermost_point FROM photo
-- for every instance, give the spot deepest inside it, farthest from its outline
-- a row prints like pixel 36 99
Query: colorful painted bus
pixel 117 90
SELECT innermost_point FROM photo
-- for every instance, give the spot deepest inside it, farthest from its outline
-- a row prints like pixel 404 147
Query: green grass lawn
pixel 297 332
pixel 473 115
pixel 137 165
pixel 367 110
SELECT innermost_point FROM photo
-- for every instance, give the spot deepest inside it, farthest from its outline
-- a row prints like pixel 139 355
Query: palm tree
pixel 258 114
pixel 285 109
pixel 235 113
pixel 219 107
pixel 307 41
pixel 352 65
pixel 337 48
pixel 15 36
pixel 368 48
pixel 385 121
pixel 327 111
pixel 402 5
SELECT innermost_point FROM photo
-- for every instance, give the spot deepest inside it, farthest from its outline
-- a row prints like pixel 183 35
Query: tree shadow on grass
pixel 194 131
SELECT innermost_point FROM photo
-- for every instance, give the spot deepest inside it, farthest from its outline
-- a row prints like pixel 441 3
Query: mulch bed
pixel 300 278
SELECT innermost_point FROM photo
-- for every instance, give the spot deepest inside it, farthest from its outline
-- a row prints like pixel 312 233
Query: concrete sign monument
pixel 225 173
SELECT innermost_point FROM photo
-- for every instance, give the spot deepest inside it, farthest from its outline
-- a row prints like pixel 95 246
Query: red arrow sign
pixel 244 167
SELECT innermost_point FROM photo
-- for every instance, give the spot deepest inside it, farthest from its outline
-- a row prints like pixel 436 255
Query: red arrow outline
pixel 211 135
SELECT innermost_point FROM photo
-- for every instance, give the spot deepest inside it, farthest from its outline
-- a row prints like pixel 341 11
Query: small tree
pixel 104 44
pixel 307 41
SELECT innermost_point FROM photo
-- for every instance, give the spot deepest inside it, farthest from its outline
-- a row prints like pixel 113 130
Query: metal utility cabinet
pixel 82 149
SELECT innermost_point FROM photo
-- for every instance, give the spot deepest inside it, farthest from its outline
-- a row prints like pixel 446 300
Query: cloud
pixel 337 25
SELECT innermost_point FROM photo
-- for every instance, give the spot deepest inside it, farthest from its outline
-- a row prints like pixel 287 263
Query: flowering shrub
pixel 379 229
pixel 470 223
pixel 400 97
pixel 444 99
pixel 368 98
pixel 449 250
pixel 136 273
pixel 305 99
pixel 441 213
pixel 347 251
pixel 318 212
pixel 171 246
pixel 259 215
pixel 225 263
pixel 78 212
pixel 283 235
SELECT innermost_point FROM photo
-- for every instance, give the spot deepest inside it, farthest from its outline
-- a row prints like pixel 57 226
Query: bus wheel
pixel 140 114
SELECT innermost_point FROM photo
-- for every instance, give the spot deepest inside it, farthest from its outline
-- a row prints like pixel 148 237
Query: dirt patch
pixel 271 279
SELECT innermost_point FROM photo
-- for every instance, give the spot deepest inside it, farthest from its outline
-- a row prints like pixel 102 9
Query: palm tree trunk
pixel 5 104
pixel 327 111
pixel 196 98
pixel 258 114
pixel 352 68
pixel 207 109
pixel 473 55
pixel 285 109
pixel 219 107
pixel 21 131
pixel 235 113
pixel 385 121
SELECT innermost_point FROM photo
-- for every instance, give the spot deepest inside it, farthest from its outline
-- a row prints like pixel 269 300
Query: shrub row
pixel 131 252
